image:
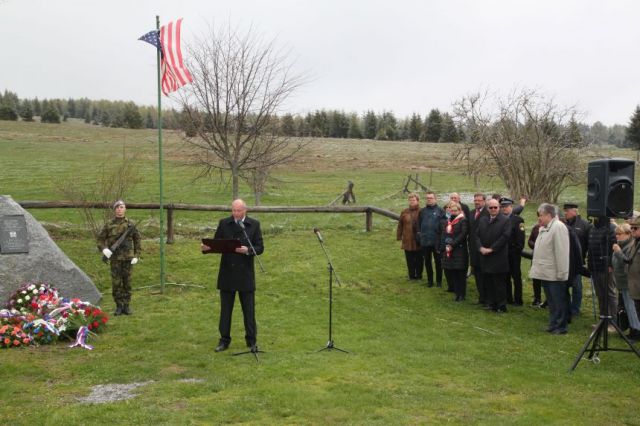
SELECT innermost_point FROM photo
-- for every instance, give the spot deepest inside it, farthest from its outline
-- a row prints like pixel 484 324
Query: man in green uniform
pixel 122 257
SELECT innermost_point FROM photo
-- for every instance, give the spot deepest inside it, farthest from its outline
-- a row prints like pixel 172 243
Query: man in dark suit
pixel 581 227
pixel 237 273
pixel 516 244
pixel 492 239
pixel 454 196
pixel 480 210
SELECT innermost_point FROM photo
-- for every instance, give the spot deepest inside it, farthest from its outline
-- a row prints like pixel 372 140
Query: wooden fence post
pixel 369 220
pixel 170 224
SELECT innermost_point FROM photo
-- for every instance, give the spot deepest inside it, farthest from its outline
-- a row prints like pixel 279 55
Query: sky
pixel 401 56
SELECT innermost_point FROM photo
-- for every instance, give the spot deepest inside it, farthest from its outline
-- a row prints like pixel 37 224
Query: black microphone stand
pixel 330 345
pixel 254 349
pixel 601 331
pixel 253 250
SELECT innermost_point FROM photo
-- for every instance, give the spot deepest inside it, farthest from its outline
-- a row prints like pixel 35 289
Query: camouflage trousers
pixel 121 280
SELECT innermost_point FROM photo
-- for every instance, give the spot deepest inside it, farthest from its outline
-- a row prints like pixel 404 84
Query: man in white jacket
pixel 550 265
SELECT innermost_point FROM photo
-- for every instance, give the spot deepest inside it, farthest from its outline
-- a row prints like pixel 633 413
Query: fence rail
pixel 171 207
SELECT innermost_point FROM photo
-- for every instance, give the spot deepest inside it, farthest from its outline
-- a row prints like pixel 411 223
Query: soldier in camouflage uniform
pixel 125 255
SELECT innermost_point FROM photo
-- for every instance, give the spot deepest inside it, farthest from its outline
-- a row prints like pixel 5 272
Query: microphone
pixel 317 232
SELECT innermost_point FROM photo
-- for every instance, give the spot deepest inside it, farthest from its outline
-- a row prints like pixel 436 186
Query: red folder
pixel 220 245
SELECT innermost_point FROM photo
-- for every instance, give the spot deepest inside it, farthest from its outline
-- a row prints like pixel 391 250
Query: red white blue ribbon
pixel 81 338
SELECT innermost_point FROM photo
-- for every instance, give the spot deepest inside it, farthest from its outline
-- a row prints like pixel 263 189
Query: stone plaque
pixel 13 234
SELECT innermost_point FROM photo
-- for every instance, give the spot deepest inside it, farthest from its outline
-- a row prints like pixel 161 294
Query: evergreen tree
pixel 415 127
pixel 449 130
pixel 633 130
pixel 37 110
pixel 51 115
pixel 105 119
pixel 149 123
pixel 355 127
pixel 26 112
pixel 71 108
pixel 87 117
pixel 338 124
pixel 7 113
pixel 131 116
pixel 433 126
pixel 370 125
pixel 387 127
pixel 287 125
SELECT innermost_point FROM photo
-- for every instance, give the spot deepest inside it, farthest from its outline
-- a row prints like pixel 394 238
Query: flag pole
pixel 160 164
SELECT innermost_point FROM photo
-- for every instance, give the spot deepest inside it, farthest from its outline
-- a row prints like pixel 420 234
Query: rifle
pixel 118 242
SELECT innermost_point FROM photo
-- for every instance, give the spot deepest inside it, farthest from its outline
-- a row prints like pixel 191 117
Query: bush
pixel 51 115
pixel 7 113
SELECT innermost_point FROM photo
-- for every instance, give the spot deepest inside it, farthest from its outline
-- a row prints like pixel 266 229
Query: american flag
pixel 174 73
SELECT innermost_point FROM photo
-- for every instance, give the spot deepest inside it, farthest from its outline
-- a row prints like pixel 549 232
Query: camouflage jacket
pixel 112 230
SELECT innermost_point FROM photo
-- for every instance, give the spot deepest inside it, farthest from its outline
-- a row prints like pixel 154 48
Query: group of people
pixel 490 239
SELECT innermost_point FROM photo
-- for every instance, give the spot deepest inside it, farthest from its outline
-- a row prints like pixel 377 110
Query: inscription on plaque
pixel 13 234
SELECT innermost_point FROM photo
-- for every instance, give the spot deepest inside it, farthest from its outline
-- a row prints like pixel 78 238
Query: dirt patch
pixel 102 394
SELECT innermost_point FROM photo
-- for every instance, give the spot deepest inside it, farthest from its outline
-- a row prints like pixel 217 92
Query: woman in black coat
pixel 455 255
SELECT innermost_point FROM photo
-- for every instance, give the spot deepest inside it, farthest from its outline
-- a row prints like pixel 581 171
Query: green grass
pixel 415 356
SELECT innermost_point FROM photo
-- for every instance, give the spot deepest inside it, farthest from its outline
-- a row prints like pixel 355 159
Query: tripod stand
pixel 599 339
pixel 254 350
pixel 330 345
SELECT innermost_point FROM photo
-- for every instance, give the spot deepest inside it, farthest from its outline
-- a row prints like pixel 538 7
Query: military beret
pixel 570 206
pixel 504 201
pixel 118 203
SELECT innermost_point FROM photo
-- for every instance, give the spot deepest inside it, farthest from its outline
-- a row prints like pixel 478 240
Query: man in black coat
pixel 492 239
pixel 581 227
pixel 237 273
pixel 479 211
pixel 513 283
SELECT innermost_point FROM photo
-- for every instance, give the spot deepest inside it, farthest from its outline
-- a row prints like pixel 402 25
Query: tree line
pixel 436 126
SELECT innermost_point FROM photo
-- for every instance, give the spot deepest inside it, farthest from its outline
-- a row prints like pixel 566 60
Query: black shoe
pixel 254 348
pixel 536 303
pixel 558 331
pixel 501 309
pixel 126 310
pixel 550 329
pixel 543 305
pixel 438 284
pixel 488 308
pixel 429 284
pixel 118 310
pixel 222 347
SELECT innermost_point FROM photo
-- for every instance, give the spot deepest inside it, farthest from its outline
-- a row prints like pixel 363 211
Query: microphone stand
pixel 253 250
pixel 330 345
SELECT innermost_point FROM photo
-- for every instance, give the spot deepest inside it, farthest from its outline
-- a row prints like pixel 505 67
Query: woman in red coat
pixel 407 233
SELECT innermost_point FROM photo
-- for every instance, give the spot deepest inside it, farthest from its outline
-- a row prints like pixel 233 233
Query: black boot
pixel 126 310
pixel 118 310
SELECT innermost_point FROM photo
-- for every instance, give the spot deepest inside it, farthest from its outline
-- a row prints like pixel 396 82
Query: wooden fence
pixel 171 207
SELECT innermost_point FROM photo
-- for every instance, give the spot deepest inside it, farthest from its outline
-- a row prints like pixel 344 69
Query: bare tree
pixel 114 181
pixel 529 142
pixel 239 85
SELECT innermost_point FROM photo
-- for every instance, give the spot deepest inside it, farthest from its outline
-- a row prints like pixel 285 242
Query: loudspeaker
pixel 610 188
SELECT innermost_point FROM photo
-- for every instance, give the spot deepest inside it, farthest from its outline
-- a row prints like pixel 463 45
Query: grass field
pixel 415 356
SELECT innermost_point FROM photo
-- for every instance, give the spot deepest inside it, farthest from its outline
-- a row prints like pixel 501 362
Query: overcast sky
pixel 404 56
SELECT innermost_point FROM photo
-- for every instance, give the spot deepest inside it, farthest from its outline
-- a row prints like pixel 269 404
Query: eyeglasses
pixel 493 208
